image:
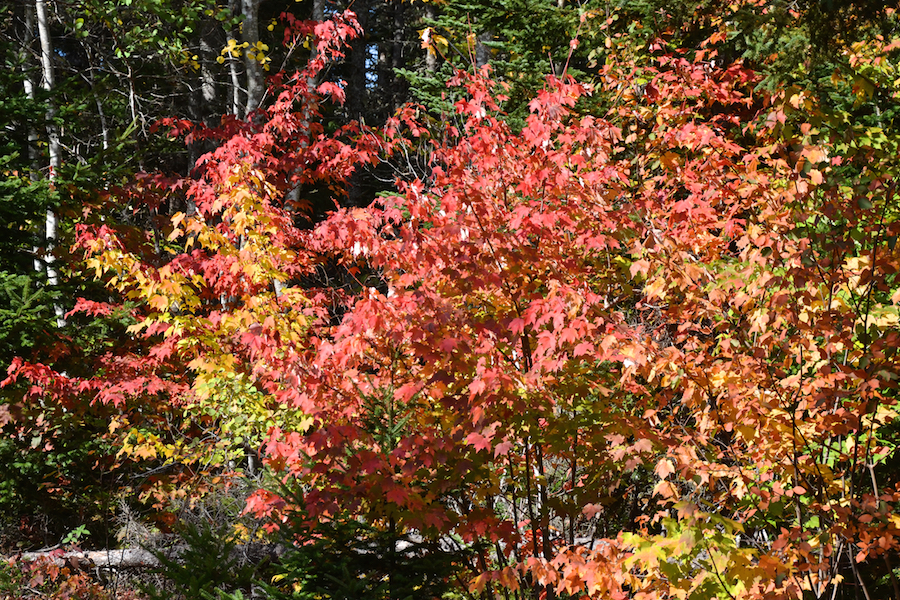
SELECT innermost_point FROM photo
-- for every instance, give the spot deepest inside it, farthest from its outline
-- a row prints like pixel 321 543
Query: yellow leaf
pixel 433 42
pixel 477 585
pixel 656 289
pixel 159 302
pixel 116 423
pixel 144 451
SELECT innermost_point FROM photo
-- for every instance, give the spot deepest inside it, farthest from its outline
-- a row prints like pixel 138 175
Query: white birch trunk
pixel 48 83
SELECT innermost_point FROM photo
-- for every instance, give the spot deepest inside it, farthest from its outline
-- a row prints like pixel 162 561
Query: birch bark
pixel 51 224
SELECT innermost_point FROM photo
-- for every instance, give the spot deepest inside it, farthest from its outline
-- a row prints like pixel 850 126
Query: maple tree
pixel 646 353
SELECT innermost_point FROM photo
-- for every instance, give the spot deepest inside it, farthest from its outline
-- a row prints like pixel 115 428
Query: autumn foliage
pixel 643 347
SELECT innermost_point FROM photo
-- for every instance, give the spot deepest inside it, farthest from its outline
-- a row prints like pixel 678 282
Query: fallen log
pixel 126 558
pixel 141 558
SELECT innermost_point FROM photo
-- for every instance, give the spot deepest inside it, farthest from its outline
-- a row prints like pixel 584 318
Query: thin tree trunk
pixel 482 52
pixel 318 13
pixel 30 87
pixel 237 108
pixel 391 56
pixel 101 114
pixel 358 93
pixel 398 54
pixel 235 87
pixel 357 89
pixel 207 55
pixel 573 477
pixel 48 83
pixel 544 507
pixel 256 82
pixel 431 59
pixel 29 83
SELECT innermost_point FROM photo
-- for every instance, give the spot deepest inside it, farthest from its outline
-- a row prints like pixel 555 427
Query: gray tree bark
pixel 431 59
pixel 256 81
